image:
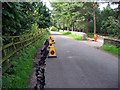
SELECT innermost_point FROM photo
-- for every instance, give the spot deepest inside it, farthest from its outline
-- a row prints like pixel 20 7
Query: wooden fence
pixel 17 43
pixel 112 41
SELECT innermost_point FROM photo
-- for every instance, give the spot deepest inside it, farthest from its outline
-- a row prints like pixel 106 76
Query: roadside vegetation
pixel 53 28
pixel 90 36
pixel 76 37
pixel 79 17
pixel 21 19
pixel 18 75
pixel 111 49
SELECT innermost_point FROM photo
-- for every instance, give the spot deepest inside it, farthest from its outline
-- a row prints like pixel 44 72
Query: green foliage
pixel 90 35
pixel 79 17
pixel 109 28
pixel 34 28
pixel 11 16
pixel 111 48
pixel 66 33
pixel 74 16
pixel 108 11
pixel 118 10
pixel 18 17
pixel 100 17
pixel 18 75
pixel 53 28
pixel 76 37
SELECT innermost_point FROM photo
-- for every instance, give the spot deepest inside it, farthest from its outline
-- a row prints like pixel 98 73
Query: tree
pixel 108 11
pixel 109 28
pixel 118 10
pixel 18 17
pixel 73 15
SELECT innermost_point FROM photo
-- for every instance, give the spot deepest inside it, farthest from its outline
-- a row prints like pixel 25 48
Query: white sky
pixel 105 4
pixel 47 2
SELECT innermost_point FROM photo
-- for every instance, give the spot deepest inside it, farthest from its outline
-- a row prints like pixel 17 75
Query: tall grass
pixel 18 75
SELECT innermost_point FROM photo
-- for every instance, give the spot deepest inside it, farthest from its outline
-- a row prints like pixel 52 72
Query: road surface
pixel 79 65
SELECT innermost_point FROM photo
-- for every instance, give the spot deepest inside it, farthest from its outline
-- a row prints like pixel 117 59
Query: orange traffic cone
pixel 95 37
pixel 52 52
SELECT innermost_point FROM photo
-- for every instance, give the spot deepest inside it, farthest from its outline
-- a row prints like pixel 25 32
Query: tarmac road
pixel 79 65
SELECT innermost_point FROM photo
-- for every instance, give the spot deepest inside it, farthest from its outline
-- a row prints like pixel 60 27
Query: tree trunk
pixel 63 26
pixel 94 18
pixel 73 27
pixel 67 29
pixel 119 12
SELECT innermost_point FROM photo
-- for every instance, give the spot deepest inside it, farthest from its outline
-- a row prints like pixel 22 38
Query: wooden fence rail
pixel 17 43
pixel 112 41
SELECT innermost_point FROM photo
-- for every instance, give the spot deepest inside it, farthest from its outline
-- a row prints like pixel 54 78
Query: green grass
pixel 111 48
pixel 90 36
pixel 76 37
pixel 66 33
pixel 18 75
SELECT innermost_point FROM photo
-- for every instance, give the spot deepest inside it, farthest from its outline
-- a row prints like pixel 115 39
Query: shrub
pixel 34 28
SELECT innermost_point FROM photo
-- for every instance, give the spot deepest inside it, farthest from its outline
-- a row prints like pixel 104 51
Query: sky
pixel 47 2
pixel 105 4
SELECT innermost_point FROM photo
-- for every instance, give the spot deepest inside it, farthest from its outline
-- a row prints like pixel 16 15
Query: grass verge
pixel 111 48
pixel 77 37
pixel 18 75
pixel 90 36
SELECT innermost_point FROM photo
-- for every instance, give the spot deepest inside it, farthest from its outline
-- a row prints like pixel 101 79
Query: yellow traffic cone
pixel 50 43
pixel 52 52
pixel 50 36
pixel 52 39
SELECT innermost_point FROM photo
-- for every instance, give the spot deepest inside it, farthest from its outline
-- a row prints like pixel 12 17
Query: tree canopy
pixel 19 17
pixel 78 16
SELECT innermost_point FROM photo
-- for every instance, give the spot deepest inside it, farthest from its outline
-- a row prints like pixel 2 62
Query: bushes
pixel 34 28
pixel 17 17
pixel 110 26
pixel 53 28
pixel 18 75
